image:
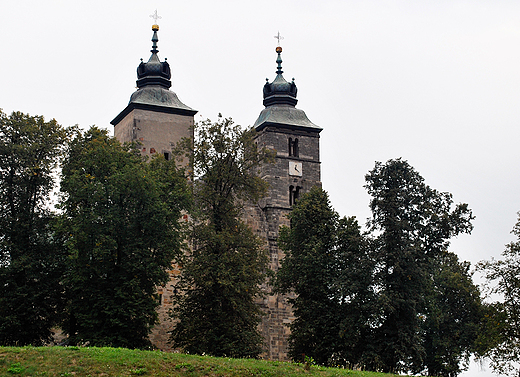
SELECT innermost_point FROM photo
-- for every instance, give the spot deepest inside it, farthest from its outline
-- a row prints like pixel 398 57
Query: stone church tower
pixel 287 130
pixel 157 119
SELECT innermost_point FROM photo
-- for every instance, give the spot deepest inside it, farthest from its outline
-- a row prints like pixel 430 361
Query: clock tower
pixel 295 139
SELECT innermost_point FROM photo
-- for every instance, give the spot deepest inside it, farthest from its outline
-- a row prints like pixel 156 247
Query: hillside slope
pixel 93 361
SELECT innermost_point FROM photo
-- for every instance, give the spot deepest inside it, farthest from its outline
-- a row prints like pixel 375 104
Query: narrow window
pixel 290 146
pixel 295 149
pixel 294 194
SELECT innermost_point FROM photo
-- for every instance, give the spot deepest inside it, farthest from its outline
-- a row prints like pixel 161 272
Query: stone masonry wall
pixel 157 132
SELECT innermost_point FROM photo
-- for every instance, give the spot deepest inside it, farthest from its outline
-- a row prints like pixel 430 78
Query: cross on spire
pixel 155 16
pixel 279 37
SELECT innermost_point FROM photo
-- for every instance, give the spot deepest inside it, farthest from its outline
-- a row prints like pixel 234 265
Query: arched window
pixel 290 146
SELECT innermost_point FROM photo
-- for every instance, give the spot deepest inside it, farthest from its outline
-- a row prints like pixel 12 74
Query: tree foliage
pixel 121 217
pixel 355 284
pixel 453 325
pixel 216 312
pixel 414 224
pixel 327 268
pixel 503 277
pixel 31 261
pixel 397 301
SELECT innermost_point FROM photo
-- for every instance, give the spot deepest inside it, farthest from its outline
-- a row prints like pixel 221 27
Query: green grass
pixel 93 361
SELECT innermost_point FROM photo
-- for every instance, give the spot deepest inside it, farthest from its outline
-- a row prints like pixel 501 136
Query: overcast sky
pixel 434 82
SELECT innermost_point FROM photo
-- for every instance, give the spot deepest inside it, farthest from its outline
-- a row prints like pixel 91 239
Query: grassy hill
pixel 93 361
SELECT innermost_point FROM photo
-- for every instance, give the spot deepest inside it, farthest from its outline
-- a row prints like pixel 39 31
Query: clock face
pixel 295 168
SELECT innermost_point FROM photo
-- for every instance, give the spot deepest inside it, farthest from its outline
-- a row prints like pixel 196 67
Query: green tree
pixel 326 267
pixel 503 277
pixel 309 269
pixel 121 215
pixel 220 279
pixel 454 321
pixel 414 224
pixel 355 282
pixel 30 257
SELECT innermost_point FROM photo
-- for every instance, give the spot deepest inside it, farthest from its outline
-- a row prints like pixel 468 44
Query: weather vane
pixel 156 17
pixel 279 37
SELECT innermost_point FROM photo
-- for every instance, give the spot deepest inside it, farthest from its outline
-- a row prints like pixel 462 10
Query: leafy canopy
pixel 414 224
pixel 503 278
pixel 121 218
pixel 220 280
pixel 326 266
pixel 31 261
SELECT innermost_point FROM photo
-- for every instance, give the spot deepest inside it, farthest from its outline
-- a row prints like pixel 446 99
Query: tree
pixel 505 275
pixel 220 279
pixel 326 267
pixel 31 262
pixel 414 224
pixel 121 216
pixel 355 281
pixel 454 322
pixel 308 270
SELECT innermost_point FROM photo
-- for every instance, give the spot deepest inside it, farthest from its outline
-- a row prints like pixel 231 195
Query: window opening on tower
pixel 293 147
pixel 294 194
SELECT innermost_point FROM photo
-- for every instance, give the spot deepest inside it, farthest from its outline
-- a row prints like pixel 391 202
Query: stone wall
pixel 158 132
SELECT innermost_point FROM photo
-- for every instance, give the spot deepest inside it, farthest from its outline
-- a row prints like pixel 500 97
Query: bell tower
pixel 155 116
pixel 158 120
pixel 295 139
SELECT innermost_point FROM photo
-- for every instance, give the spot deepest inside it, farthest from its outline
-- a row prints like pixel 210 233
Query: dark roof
pixel 155 99
pixel 285 116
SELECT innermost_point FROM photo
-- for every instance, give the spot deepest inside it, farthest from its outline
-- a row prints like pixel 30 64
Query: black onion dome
pixel 154 72
pixel 280 92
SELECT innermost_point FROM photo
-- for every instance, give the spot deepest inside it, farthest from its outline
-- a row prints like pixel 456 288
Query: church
pixel 157 118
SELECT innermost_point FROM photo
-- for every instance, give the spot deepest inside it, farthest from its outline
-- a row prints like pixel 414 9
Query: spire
pixel 155 39
pixel 154 72
pixel 279 60
pixel 279 92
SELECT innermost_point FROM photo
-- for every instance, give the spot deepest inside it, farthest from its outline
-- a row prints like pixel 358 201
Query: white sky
pixel 434 82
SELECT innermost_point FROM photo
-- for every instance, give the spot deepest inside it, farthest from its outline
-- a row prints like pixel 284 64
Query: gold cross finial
pixel 279 37
pixel 155 16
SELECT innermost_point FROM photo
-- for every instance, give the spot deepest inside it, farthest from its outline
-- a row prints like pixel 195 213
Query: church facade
pixel 159 120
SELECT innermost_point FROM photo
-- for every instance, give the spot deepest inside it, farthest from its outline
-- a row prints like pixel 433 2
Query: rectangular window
pixel 293 147
pixel 294 194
